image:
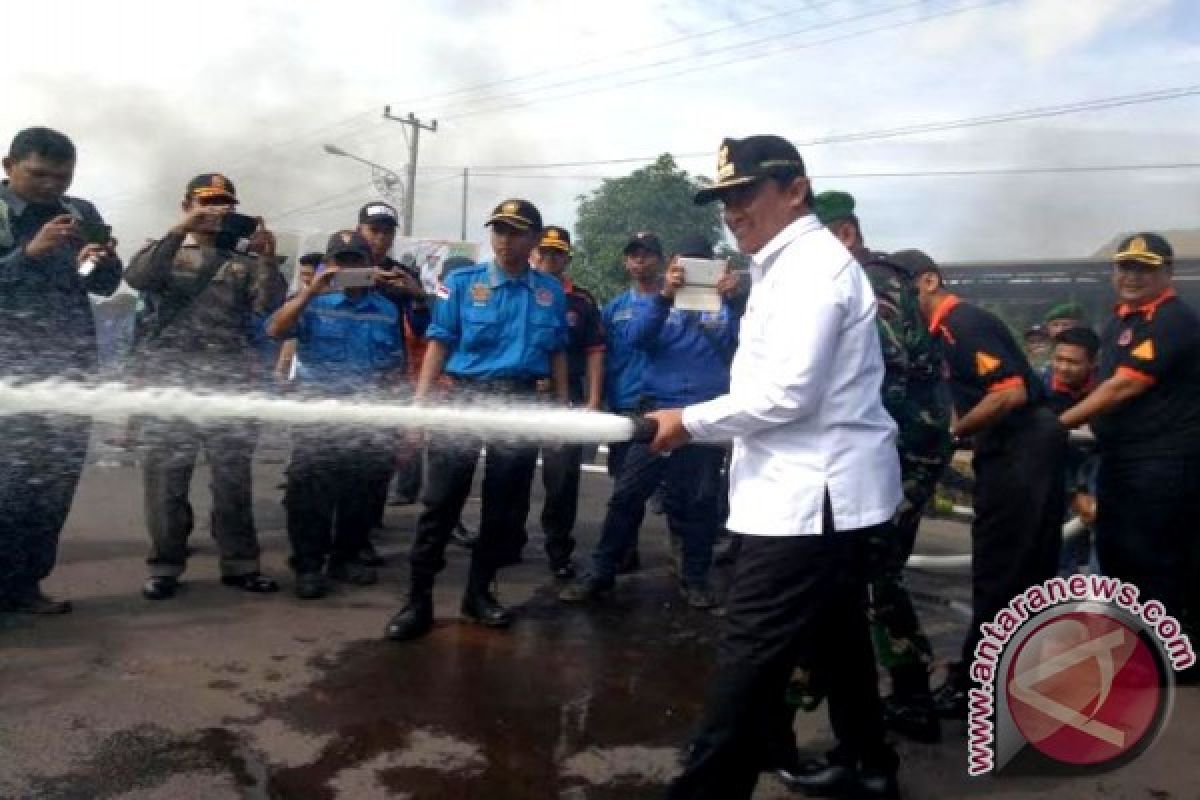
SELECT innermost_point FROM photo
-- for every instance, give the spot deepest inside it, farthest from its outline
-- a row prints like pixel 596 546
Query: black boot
pixel 909 711
pixel 479 604
pixel 950 699
pixel 414 620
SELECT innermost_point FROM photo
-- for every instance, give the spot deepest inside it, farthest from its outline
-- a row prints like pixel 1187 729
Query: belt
pixel 497 385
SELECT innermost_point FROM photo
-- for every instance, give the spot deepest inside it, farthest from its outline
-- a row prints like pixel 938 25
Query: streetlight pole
pixel 385 180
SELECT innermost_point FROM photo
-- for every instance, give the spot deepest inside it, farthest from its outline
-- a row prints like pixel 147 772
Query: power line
pixel 519 103
pixel 944 173
pixel 611 56
pixel 319 204
pixel 1017 115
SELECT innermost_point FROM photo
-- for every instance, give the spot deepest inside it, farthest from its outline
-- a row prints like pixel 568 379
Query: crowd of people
pixel 811 416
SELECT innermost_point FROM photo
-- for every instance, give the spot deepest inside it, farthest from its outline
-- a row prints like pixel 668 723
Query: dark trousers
pixel 331 480
pixel 901 646
pixel 41 458
pixel 788 592
pixel 450 469
pixel 170 448
pixel 408 477
pixel 692 479
pixel 375 498
pixel 1017 532
pixel 561 469
pixel 1148 514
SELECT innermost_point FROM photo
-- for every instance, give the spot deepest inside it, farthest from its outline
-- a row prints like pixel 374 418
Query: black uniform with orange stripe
pixel 1157 344
pixel 1018 462
pixel 1148 486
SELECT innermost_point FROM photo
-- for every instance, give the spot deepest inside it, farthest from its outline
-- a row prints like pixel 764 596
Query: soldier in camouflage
pixel 916 397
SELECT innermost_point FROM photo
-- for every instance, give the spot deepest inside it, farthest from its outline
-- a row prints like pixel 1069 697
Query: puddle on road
pixel 570 702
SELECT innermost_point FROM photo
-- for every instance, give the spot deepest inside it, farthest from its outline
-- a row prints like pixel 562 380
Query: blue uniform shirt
pixel 623 363
pixel 499 327
pixel 346 343
pixel 688 353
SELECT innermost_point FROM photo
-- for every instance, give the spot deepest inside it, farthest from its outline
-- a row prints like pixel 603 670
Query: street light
pixel 385 180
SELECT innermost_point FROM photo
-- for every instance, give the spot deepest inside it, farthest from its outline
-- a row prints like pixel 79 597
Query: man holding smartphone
pixel 204 297
pixel 47 271
pixel 348 344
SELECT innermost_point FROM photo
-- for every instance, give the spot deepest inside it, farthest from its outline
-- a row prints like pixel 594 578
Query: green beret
pixel 833 205
pixel 1069 310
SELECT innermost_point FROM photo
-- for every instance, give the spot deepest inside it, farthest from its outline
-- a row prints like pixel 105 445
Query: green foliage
pixel 655 198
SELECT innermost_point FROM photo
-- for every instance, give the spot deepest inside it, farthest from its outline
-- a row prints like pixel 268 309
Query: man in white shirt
pixel 814 471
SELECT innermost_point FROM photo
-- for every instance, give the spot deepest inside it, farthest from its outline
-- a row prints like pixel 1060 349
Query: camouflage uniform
pixel 915 396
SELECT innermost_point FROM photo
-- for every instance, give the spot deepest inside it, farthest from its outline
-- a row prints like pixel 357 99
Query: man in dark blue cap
pixel 688 354
pixel 499 330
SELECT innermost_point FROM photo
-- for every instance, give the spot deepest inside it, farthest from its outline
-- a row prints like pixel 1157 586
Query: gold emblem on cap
pixel 1137 245
pixel 218 182
pixel 552 234
pixel 511 207
pixel 725 167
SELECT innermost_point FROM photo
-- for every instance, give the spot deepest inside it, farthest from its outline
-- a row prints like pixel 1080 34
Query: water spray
pixel 115 401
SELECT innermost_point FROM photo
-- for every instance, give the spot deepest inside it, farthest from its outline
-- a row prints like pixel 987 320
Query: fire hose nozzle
pixel 644 429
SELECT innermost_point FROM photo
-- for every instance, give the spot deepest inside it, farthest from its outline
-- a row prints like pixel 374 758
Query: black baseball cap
pixel 348 242
pixel 1145 248
pixel 212 184
pixel 520 214
pixel 645 240
pixel 694 246
pixel 378 214
pixel 915 261
pixel 312 259
pixel 556 238
pixel 741 162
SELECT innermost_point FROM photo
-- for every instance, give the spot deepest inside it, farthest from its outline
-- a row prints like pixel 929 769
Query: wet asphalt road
pixel 219 694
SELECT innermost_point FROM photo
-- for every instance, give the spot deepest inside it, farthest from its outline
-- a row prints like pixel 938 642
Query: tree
pixel 655 198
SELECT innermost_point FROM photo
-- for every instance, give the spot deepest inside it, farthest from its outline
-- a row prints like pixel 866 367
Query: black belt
pixel 497 385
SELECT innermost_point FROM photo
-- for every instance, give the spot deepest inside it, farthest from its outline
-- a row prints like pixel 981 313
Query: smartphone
pixel 94 232
pixel 235 231
pixel 352 278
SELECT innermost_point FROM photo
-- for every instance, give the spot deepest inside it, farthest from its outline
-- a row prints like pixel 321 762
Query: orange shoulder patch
pixel 1144 351
pixel 985 363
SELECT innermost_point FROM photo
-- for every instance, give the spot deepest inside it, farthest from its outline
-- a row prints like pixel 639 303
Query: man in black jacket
pixel 54 251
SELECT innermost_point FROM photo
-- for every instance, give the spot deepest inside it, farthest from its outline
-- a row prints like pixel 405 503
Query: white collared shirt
pixel 804 409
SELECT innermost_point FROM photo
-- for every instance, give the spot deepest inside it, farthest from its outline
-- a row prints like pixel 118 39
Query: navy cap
pixel 556 238
pixel 378 213
pixel 517 213
pixel 212 184
pixel 348 242
pixel 645 240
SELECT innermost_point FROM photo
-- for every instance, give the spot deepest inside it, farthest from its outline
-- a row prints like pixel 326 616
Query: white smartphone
pixel 352 278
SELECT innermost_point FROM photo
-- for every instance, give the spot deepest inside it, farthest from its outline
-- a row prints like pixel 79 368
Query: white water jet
pixel 115 401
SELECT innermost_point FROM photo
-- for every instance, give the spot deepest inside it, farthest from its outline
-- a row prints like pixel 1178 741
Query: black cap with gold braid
pixel 744 161
pixel 1145 248
pixel 517 213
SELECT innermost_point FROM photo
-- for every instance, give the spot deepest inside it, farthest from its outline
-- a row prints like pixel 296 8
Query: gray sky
pixel 153 93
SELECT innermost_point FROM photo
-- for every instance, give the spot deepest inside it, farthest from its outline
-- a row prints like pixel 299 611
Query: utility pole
pixel 462 236
pixel 417 126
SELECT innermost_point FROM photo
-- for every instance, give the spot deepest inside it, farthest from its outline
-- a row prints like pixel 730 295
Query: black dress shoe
pixel 368 556
pixel 254 582
pixel 950 700
pixel 870 784
pixel 160 588
pixel 412 622
pixel 464 536
pixel 311 585
pixel 913 717
pixel 482 607
pixel 34 602
pixel 818 778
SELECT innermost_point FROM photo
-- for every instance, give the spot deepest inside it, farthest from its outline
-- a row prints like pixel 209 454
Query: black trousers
pixel 1148 515
pixel 41 458
pixel 1019 504
pixel 450 469
pixel 332 479
pixel 787 592
pixel 562 466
